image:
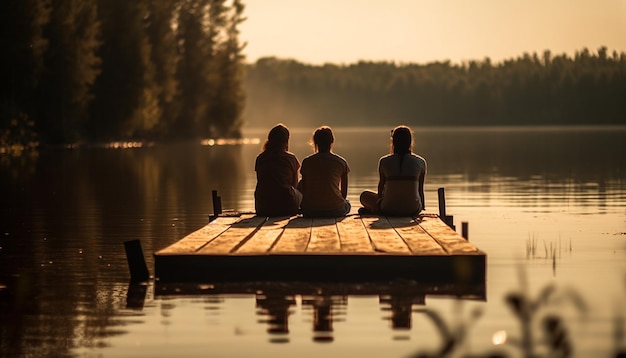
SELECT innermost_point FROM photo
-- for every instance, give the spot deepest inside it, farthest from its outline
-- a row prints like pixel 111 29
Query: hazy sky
pixel 419 31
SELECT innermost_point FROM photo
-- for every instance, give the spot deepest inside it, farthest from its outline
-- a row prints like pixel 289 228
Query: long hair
pixel 401 142
pixel 277 138
pixel 323 138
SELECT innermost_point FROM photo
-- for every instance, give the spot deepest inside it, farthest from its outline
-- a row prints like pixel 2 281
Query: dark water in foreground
pixel 547 205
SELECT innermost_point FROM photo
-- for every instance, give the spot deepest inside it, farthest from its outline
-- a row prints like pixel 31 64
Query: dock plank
pixel 233 237
pixel 267 235
pixel 384 237
pixel 324 236
pixel 295 237
pixel 450 240
pixel 353 235
pixel 419 241
pixel 200 237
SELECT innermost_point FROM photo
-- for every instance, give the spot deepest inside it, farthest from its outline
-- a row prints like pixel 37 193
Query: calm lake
pixel 547 205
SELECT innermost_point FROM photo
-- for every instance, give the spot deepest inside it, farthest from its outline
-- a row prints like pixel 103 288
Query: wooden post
pixel 136 261
pixel 217 204
pixel 465 230
pixel 448 219
pixel 441 192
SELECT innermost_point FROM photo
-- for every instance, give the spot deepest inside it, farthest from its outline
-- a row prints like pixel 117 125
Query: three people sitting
pixel 323 189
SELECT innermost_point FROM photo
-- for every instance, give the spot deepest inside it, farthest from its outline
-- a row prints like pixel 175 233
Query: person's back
pixel 324 182
pixel 401 190
pixel 321 173
pixel 277 176
pixel 275 194
pixel 401 179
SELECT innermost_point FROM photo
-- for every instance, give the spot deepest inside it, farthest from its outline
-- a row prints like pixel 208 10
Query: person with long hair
pixel 324 182
pixel 401 179
pixel 277 176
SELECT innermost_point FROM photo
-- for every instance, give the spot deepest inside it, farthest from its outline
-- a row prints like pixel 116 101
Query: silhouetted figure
pixel 324 182
pixel 401 306
pixel 277 176
pixel 277 307
pixel 323 315
pixel 401 182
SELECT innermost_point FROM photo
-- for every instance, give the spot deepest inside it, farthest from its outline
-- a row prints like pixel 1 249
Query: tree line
pixel 93 70
pixel 98 70
pixel 587 88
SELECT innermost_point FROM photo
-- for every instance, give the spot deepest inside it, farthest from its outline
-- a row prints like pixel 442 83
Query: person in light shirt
pixel 324 181
pixel 401 180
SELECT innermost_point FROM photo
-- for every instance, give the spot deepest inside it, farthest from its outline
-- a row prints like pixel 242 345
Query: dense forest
pixel 586 89
pixel 97 70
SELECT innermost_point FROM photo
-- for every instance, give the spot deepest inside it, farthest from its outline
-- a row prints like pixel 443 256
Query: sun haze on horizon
pixel 416 31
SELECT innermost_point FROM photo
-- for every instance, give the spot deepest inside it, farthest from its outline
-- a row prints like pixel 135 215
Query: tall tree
pixel 71 69
pixel 210 68
pixel 196 49
pixel 117 69
pixel 126 103
pixel 21 64
pixel 165 57
pixel 229 96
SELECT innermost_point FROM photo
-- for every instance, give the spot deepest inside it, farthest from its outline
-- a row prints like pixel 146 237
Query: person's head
pixel 323 139
pixel 277 138
pixel 401 140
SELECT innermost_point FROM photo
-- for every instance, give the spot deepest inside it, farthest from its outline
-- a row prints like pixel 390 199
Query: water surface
pixel 548 205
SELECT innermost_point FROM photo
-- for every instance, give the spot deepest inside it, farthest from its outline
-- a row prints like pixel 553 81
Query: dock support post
pixel 448 219
pixel 136 261
pixel 441 193
pixel 465 230
pixel 136 295
pixel 217 204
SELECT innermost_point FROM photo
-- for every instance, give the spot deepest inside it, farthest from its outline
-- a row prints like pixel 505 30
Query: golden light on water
pixel 205 142
pixel 230 141
pixel 499 338
pixel 124 145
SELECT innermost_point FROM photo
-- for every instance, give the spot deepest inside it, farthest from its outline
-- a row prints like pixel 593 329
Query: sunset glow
pixel 347 31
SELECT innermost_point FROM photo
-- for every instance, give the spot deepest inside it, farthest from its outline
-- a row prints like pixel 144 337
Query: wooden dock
pixel 345 249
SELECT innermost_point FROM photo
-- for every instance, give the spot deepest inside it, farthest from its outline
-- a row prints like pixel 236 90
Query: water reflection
pixel 37 323
pixel 326 308
pixel 136 295
pixel 65 213
pixel 323 303
pixel 401 307
pixel 277 307
pixel 63 220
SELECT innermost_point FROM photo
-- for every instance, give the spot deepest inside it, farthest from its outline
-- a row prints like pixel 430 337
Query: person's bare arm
pixel 344 185
pixel 420 189
pixel 381 185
